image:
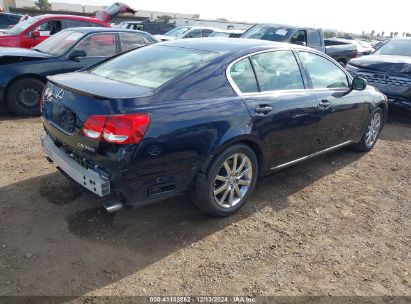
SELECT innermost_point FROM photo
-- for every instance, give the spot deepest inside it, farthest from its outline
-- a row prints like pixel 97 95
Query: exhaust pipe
pixel 112 207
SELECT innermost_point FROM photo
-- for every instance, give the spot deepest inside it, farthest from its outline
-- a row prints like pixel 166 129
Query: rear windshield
pixel 152 66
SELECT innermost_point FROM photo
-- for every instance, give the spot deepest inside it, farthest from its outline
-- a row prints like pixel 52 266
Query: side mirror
pixel 359 84
pixel 34 34
pixel 76 54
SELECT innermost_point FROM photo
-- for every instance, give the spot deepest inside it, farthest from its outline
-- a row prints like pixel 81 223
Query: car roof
pixel 68 17
pixel 222 45
pixel 288 26
pixel 11 14
pixel 101 29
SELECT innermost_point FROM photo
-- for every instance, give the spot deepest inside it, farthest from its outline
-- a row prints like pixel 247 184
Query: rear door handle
pixel 264 109
pixel 324 104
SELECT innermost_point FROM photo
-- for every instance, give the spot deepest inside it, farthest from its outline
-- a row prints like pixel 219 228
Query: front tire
pixel 23 96
pixel 371 132
pixel 228 182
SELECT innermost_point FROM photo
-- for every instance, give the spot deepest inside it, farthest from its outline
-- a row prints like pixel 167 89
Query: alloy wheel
pixel 373 129
pixel 233 180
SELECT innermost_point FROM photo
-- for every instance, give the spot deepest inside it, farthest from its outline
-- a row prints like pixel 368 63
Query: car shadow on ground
pixel 129 240
pixel 6 114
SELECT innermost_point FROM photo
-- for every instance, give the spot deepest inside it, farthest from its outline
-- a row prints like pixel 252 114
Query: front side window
pixel 98 45
pixel 197 33
pixel 243 75
pixel 152 66
pixel 207 32
pixel 323 73
pixel 49 28
pixel 277 70
pixel 178 31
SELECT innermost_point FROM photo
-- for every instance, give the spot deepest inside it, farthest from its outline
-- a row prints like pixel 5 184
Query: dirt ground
pixel 336 225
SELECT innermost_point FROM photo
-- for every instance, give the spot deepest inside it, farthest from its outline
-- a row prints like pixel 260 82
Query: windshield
pixel 268 32
pixel 178 31
pixel 152 66
pixel 395 47
pixel 59 43
pixel 20 27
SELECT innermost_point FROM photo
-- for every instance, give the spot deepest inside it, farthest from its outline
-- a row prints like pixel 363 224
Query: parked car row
pixel 142 120
pixel 24 72
pixel 204 116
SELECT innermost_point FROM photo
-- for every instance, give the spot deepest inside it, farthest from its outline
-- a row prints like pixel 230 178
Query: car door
pixel 343 110
pixel 97 47
pixel 284 111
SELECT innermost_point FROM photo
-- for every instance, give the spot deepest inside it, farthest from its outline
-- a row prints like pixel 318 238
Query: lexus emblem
pixel 60 94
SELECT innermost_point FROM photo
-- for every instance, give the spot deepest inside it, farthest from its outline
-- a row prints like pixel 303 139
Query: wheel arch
pixel 254 143
pixel 23 76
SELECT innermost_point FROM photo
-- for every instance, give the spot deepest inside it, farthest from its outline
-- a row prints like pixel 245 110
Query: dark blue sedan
pixel 23 72
pixel 204 116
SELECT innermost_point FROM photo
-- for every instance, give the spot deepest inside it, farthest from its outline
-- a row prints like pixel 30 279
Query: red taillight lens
pixel 94 126
pixel 119 129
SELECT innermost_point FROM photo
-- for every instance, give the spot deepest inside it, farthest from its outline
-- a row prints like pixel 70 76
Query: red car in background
pixel 32 31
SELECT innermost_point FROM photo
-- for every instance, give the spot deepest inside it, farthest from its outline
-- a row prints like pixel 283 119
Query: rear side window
pixel 323 73
pixel 243 75
pixel 277 70
pixel 77 23
pixel 131 41
pixel 152 66
pixel 314 38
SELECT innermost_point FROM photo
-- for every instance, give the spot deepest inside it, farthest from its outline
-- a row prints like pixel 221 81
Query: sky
pixel 345 15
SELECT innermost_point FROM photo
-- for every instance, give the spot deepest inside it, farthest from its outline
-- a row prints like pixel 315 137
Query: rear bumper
pixel 85 177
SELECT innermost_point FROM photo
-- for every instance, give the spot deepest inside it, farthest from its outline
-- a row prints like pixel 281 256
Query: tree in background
pixel 43 5
pixel 382 34
pixel 372 33
pixel 329 34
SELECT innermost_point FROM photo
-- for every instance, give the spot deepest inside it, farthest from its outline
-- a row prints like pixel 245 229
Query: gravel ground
pixel 336 225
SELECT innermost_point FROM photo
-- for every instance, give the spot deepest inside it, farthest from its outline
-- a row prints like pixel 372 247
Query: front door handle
pixel 264 109
pixel 324 104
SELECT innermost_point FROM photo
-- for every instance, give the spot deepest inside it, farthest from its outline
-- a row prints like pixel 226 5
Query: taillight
pixel 119 129
pixel 94 125
pixel 355 53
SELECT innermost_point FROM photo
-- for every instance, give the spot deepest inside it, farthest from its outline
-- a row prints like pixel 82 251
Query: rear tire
pixel 23 96
pixel 228 182
pixel 371 132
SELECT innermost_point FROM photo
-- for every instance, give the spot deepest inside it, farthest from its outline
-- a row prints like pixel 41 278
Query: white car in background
pixel 182 32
